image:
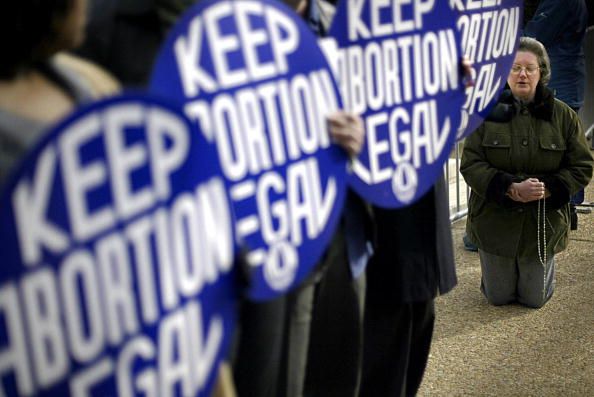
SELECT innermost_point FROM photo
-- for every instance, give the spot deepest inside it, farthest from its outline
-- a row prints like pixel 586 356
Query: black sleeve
pixel 559 192
pixel 498 187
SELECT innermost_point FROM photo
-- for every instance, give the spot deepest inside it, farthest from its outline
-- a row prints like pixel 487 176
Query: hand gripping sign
pixel 251 74
pixel 398 65
pixel 117 253
pixel 490 32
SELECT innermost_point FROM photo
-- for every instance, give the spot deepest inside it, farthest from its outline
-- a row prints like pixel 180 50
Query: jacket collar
pixel 541 107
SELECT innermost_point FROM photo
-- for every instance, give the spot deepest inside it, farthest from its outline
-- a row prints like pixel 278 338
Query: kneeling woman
pixel 523 164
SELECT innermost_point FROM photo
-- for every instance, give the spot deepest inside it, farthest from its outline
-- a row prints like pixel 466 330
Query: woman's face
pixel 524 75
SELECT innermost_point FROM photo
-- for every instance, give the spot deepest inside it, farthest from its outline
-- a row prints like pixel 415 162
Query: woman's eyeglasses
pixel 530 70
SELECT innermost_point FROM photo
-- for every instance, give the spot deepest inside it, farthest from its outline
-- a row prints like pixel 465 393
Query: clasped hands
pixel 530 189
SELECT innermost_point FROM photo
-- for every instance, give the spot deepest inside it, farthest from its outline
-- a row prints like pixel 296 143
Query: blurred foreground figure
pixel 413 263
pixel 39 84
pixel 323 338
pixel 124 36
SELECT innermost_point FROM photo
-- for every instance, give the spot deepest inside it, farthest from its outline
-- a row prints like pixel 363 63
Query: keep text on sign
pixel 251 74
pixel 117 255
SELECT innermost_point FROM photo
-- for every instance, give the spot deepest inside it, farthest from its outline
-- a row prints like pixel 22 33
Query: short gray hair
pixel 529 44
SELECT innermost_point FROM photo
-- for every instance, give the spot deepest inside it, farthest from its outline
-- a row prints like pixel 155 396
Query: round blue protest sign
pixel 398 65
pixel 490 35
pixel 117 258
pixel 252 75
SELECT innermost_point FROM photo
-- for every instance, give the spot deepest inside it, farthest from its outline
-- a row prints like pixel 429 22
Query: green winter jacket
pixel 544 140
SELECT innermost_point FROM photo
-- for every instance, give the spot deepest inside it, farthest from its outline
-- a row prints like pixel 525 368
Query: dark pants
pixel 526 281
pixel 324 330
pixel 256 364
pixel 336 338
pixel 396 348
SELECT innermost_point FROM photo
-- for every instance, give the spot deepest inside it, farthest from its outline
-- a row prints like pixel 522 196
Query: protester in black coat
pixel 412 264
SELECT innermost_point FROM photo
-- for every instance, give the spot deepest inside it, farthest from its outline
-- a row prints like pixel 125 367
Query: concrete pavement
pixel 482 350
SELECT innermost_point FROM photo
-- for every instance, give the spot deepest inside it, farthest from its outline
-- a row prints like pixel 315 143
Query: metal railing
pixel 458 190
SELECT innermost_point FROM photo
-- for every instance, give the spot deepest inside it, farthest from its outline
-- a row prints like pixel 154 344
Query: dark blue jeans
pixel 577 198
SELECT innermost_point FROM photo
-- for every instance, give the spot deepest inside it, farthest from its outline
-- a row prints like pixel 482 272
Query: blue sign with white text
pixel 490 35
pixel 398 65
pixel 251 74
pixel 117 256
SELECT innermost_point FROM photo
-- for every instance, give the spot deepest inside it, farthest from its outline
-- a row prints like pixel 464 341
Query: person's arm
pixel 549 21
pixel 577 164
pixel 101 82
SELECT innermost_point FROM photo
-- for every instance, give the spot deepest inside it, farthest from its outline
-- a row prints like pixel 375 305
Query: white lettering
pixel 120 306
pixel 123 159
pixel 407 138
pixel 30 210
pixel 80 295
pixel 187 54
pixel 169 142
pixel 80 179
pixel 42 311
pixel 15 357
pixel 377 76
pixel 357 29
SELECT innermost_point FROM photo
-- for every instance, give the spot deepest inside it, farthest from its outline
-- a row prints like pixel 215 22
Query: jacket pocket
pixel 476 205
pixel 553 146
pixel 496 145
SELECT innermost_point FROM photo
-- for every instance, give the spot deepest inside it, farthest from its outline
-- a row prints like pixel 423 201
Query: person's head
pixel 531 67
pixel 33 30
